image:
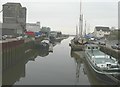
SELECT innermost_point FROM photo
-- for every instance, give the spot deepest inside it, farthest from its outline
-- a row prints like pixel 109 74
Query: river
pixel 61 67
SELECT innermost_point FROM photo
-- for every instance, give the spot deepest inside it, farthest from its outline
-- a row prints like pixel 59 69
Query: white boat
pixel 50 47
pixel 44 44
pixel 103 65
pixel 101 62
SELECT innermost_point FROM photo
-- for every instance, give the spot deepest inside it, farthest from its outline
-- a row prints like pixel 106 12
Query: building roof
pixel 106 29
pixel 31 24
pixel 11 3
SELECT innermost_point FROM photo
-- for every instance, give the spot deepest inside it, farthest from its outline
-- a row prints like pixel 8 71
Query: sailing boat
pixel 75 44
pixel 81 39
pixel 78 42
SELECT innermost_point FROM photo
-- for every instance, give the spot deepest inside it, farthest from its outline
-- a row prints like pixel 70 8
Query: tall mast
pixel 80 20
pixel 80 6
pixel 76 30
pixel 85 29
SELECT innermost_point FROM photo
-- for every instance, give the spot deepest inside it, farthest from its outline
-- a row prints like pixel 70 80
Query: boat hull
pixel 42 46
pixel 76 47
pixel 106 78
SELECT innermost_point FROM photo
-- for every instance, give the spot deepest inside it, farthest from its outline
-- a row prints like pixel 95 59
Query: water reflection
pixel 43 52
pixel 16 70
pixel 14 73
pixel 81 76
pixel 62 67
pixel 14 61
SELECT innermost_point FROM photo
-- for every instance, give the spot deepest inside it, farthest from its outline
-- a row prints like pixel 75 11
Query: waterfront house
pixel 100 32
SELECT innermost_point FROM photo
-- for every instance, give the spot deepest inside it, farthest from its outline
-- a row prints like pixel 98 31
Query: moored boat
pixel 77 44
pixel 51 47
pixel 44 44
pixel 102 64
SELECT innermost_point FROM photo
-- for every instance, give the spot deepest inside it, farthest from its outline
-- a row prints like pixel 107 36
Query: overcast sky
pixel 63 15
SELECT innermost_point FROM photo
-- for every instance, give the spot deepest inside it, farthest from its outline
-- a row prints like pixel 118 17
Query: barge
pixel 104 66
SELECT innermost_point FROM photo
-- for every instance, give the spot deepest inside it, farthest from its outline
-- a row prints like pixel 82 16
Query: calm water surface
pixel 62 67
pixel 57 68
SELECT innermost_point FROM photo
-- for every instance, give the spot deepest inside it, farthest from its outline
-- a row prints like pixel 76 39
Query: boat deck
pixel 96 53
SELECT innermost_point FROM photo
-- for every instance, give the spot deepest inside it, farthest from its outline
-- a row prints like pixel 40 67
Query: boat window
pixel 88 47
pixel 92 47
pixel 96 47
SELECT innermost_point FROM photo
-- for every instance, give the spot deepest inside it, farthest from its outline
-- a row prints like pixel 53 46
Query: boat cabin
pixel 92 47
pixel 99 59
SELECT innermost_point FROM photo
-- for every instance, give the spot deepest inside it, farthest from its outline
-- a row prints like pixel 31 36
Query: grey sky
pixel 63 15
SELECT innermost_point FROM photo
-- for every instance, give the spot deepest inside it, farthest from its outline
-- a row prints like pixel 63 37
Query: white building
pixel 35 27
pixel 100 32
